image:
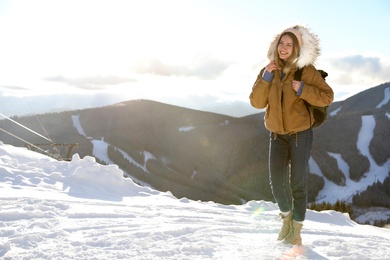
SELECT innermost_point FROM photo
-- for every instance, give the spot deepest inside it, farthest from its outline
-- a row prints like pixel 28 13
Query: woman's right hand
pixel 271 66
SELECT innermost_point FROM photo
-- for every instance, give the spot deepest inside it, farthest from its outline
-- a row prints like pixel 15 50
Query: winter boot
pixel 287 226
pixel 294 237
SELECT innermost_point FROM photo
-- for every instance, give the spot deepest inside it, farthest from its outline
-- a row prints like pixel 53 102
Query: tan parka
pixel 286 112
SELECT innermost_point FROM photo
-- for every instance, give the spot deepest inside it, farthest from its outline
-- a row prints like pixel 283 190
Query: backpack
pixel 319 113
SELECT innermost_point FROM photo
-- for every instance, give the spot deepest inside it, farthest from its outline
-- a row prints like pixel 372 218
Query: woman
pixel 289 121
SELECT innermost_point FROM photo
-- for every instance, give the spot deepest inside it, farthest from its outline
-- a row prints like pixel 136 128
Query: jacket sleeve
pixel 316 91
pixel 260 90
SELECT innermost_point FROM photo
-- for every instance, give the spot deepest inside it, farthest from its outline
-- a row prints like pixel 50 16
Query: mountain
pixel 41 104
pixel 84 210
pixel 213 157
pixel 235 109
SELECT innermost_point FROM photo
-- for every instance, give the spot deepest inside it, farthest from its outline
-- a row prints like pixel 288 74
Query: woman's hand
pixel 271 66
pixel 296 85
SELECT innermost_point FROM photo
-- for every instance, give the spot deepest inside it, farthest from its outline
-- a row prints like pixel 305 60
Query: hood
pixel 309 46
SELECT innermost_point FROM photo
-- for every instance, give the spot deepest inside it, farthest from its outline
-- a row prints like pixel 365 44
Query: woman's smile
pixel 285 47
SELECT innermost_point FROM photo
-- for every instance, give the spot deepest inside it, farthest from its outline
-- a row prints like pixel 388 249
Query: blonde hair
pixel 291 63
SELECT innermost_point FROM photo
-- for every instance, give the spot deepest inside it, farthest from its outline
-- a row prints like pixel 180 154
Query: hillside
pixel 207 156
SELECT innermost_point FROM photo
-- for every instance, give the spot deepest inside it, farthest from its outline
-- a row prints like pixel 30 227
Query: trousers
pixel 288 169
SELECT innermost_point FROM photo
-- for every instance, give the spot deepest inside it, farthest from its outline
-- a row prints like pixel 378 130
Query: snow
pixel 84 210
pixel 194 173
pixel 386 99
pixel 378 173
pixel 77 125
pixel 372 214
pixel 186 128
pixel 333 192
pixel 333 113
pixel 343 166
pixel 225 123
pixel 100 150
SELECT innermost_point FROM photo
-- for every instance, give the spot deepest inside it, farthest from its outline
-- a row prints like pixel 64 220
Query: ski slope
pixel 333 192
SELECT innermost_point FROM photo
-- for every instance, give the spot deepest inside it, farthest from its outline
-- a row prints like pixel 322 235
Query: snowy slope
pixel 333 192
pixel 84 210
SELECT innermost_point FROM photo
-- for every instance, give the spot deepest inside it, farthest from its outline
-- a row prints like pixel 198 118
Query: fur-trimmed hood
pixel 309 46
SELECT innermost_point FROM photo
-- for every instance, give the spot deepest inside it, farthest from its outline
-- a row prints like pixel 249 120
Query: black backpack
pixel 319 113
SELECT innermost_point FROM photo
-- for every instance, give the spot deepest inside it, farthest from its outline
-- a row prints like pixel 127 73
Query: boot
pixel 287 226
pixel 294 237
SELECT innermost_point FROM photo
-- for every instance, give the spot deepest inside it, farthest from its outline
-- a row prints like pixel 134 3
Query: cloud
pixel 12 87
pixel 355 67
pixel 371 64
pixel 204 67
pixel 12 105
pixel 90 83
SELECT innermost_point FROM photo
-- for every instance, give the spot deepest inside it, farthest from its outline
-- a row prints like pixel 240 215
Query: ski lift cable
pixel 44 130
pixel 21 139
pixel 26 128
pixel 39 121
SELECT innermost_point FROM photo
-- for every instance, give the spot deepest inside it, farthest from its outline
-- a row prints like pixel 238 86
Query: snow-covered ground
pixel 83 210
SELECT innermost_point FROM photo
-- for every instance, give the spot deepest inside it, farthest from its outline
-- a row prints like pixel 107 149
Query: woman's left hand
pixel 296 85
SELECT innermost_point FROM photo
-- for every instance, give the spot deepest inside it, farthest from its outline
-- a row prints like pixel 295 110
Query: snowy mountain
pixel 81 209
pixel 213 157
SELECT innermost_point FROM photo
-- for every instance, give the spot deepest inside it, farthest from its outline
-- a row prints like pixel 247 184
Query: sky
pixel 81 209
pixel 187 52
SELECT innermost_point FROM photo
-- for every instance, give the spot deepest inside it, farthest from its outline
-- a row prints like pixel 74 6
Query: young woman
pixel 289 120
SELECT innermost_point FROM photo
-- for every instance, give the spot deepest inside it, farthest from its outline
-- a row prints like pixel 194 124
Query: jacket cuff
pixel 299 92
pixel 268 76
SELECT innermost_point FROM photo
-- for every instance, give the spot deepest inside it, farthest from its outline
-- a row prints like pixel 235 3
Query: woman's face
pixel 285 47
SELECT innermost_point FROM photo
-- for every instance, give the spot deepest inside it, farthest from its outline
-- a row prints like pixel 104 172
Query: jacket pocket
pixel 301 108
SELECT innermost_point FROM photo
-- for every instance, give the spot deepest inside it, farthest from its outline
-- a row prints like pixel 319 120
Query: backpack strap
pixel 297 77
pixel 298 74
